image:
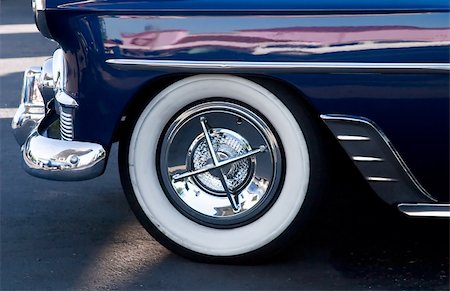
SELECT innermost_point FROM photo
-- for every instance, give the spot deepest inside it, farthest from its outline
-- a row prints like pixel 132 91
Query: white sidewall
pixel 157 207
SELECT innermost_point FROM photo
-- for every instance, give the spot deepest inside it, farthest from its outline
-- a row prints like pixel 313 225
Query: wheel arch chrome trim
pixel 284 66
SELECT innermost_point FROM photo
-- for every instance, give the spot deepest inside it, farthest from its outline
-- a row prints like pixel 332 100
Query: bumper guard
pixel 47 157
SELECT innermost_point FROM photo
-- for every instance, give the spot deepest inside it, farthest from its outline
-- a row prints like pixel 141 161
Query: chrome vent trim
pixel 66 123
pixel 376 158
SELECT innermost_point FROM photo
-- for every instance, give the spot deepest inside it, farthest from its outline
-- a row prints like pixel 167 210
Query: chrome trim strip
pixel 66 117
pixel 380 179
pixel 367 159
pixel 65 124
pixel 67 132
pixel 352 137
pixel 425 209
pixel 282 66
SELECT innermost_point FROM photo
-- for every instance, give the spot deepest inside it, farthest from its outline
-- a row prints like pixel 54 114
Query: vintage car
pixel 228 112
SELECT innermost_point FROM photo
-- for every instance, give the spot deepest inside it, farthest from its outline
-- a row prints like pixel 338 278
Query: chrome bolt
pixel 74 159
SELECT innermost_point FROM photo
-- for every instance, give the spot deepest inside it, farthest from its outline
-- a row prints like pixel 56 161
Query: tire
pixel 243 211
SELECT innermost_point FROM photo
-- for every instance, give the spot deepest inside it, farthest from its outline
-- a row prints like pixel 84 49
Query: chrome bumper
pixel 62 160
pixel 47 157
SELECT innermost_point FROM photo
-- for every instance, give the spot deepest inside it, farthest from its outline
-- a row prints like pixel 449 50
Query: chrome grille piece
pixel 66 123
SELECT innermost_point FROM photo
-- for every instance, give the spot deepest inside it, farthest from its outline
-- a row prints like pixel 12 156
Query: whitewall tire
pixel 216 167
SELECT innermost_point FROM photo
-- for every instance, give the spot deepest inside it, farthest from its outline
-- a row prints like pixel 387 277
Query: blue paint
pixel 236 5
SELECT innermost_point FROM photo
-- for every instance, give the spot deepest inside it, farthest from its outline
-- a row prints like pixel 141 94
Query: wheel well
pixel 154 86
pixel 294 98
pixel 342 174
pixel 278 85
pixel 142 97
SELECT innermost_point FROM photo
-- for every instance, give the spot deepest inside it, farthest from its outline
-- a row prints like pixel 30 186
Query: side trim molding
pixel 185 65
pixel 425 210
pixel 377 159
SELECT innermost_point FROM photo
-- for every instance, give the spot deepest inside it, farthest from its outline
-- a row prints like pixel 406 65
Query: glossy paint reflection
pixel 291 38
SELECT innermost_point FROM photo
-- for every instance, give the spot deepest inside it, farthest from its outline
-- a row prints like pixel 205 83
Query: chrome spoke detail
pixel 178 177
pixel 220 164
pixel 233 198
pixel 205 128
pixel 222 176
pixel 261 149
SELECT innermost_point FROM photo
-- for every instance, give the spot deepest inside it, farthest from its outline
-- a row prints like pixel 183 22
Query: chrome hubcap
pixel 220 164
pixel 226 144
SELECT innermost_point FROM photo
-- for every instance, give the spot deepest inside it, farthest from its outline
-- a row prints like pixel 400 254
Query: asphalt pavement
pixel 82 235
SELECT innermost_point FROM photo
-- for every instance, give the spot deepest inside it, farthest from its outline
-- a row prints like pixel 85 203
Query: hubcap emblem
pixel 226 144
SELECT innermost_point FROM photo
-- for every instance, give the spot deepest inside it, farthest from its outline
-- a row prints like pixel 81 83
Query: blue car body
pixel 411 107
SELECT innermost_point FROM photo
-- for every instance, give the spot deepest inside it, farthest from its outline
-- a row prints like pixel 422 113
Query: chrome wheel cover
pixel 220 163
